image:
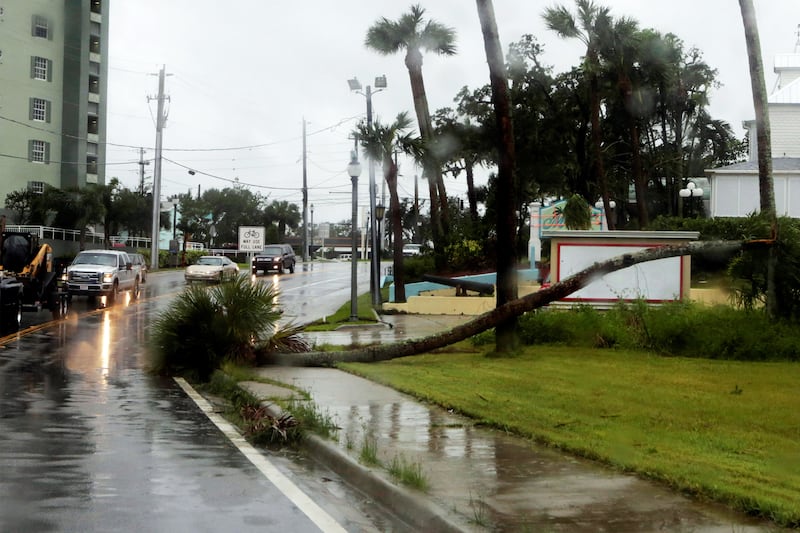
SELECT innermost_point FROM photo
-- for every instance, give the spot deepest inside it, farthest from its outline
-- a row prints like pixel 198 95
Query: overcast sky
pixel 244 74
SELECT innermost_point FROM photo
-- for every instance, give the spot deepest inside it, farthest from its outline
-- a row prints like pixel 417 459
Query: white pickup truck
pixel 102 273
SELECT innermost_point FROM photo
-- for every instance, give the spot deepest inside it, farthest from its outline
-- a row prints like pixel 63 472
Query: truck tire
pixel 10 317
pixel 57 303
pixel 111 297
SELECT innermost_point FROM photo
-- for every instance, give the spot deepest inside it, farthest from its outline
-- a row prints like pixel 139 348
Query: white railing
pixel 61 234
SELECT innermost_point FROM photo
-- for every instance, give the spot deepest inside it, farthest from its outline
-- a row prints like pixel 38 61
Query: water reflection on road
pixel 90 442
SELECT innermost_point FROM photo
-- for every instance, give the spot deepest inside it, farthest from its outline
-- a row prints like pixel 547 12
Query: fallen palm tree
pixel 496 316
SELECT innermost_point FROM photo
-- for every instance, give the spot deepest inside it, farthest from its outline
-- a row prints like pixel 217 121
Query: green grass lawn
pixel 726 430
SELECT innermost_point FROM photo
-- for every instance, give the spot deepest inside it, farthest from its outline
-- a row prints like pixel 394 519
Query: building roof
pixel 779 164
pixel 789 94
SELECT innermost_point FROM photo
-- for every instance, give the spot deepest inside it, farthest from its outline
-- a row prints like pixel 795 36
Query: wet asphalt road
pixel 91 442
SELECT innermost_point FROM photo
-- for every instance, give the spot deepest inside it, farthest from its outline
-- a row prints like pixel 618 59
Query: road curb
pixel 412 508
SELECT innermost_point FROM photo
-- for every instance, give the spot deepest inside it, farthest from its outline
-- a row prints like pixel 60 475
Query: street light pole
pixel 354 170
pixel 355 86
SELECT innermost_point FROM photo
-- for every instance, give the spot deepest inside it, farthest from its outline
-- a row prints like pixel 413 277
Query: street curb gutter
pixel 412 508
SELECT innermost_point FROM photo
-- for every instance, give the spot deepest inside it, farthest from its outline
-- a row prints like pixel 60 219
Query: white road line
pixel 313 511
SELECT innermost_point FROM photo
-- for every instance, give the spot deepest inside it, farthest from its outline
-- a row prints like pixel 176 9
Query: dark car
pixel 278 257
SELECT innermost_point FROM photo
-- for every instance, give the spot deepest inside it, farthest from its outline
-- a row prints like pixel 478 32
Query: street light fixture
pixel 611 205
pixel 691 190
pixel 354 170
pixel 355 86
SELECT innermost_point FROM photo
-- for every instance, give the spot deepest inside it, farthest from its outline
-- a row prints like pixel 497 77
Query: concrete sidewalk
pixel 479 479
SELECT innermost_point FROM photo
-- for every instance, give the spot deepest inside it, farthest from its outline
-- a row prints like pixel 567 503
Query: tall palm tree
pixel 380 142
pixel 411 33
pixel 507 337
pixel 764 139
pixel 587 26
pixel 619 49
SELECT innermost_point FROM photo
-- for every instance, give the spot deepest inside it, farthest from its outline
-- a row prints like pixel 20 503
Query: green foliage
pixel 205 327
pixel 408 473
pixel 465 255
pixel 577 213
pixel 310 418
pixel 369 450
pixel 748 268
pixel 342 315
pixel 416 266
pixel 584 327
pixel 674 329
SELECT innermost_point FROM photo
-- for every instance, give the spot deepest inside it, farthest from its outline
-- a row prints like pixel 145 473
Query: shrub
pixel 674 329
pixel 415 267
pixel 465 255
pixel 205 327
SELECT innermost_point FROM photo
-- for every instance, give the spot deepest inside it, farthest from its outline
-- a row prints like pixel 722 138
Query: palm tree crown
pixel 409 33
pixel 412 34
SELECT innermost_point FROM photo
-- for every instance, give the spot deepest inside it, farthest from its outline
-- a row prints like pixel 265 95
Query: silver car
pixel 211 269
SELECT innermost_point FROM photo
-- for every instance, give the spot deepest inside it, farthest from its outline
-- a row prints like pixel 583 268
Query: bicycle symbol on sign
pixel 252 234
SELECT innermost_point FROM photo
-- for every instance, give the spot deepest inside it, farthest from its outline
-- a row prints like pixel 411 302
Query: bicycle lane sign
pixel 251 238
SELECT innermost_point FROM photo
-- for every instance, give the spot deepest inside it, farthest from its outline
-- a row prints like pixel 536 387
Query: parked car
pixel 278 257
pixel 139 262
pixel 211 269
pixel 101 273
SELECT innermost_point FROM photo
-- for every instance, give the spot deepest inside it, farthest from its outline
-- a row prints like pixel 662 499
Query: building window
pixel 36 187
pixel 91 165
pixel 40 110
pixel 40 27
pixel 41 68
pixel 39 151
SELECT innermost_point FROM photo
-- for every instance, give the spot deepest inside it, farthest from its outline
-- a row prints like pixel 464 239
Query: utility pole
pixel 142 163
pixel 160 123
pixel 305 198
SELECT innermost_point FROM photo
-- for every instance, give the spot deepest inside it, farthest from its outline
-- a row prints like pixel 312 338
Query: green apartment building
pixel 53 94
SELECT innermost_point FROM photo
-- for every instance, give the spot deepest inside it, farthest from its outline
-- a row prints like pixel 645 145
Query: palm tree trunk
pixel 397 230
pixel 764 140
pixel 471 196
pixel 515 308
pixel 507 337
pixel 597 137
pixel 440 215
